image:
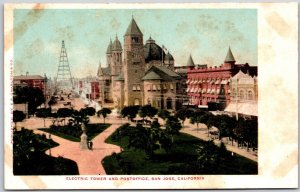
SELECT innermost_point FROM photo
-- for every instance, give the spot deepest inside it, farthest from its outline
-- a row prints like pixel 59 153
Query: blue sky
pixel 204 33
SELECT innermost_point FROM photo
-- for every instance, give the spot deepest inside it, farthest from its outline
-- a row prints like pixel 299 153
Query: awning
pixel 217 82
pixel 208 91
pixel 188 89
pixel 224 82
pixel 203 90
pixel 187 82
pixel 192 90
pixel 245 108
pixel 212 91
pixel 218 91
pixel 199 90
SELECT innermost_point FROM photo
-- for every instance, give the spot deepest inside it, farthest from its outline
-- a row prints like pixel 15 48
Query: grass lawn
pixel 73 134
pixel 181 159
pixel 30 159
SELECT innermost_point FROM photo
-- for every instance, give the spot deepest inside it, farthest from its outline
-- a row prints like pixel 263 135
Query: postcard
pixel 151 96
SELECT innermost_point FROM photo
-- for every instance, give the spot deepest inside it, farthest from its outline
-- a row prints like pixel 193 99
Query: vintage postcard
pixel 151 96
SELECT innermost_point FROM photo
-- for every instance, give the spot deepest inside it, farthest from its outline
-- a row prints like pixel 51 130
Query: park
pixel 135 140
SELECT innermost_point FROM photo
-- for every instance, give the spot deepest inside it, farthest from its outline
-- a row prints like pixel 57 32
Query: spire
pixel 116 46
pixel 133 28
pixel 190 62
pixel 109 47
pixel 229 57
pixel 100 71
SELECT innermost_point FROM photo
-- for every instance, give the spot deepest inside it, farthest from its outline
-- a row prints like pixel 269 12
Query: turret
pixel 229 60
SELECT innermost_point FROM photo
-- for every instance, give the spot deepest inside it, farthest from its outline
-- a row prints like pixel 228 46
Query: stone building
pixel 243 100
pixel 138 73
pixel 211 85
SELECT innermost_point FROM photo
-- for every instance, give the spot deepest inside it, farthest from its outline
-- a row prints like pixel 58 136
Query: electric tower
pixel 64 78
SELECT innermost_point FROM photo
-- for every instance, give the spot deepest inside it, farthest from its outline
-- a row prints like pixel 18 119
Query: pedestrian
pixel 91 145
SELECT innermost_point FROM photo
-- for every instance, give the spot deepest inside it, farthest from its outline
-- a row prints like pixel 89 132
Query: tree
pixel 207 119
pixel 130 111
pixel 173 126
pixel 34 97
pixel 18 116
pixel 163 113
pixel 147 110
pixel 90 111
pixel 104 112
pixel 77 118
pixel 183 113
pixel 44 113
pixel 196 117
pixel 210 156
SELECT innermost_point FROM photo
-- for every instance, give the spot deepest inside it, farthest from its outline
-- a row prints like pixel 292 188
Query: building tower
pixel 64 78
pixel 109 53
pixel 116 57
pixel 229 59
pixel 134 65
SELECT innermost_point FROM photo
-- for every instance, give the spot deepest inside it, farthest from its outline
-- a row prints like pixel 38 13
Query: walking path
pixel 88 161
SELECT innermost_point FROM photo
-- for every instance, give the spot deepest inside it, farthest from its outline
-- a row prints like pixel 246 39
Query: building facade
pixel 138 73
pixel 36 81
pixel 244 97
pixel 211 85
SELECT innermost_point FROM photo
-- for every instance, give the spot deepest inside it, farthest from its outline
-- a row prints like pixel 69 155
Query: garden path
pixel 88 161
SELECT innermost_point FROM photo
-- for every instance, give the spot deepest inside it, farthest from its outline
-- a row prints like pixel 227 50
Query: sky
pixel 206 34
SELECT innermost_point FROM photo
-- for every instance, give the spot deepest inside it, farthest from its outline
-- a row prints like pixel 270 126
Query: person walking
pixel 91 145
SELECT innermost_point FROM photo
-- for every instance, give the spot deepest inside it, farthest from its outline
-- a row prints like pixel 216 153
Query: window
pixel 107 83
pixel 171 86
pixel 165 87
pixel 134 88
pixel 134 39
pixel 242 94
pixel 158 87
pixel 250 95
pixel 233 93
pixel 138 88
pixel 149 87
pixel 154 88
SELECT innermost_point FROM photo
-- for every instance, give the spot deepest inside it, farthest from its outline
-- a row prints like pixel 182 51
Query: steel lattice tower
pixel 64 77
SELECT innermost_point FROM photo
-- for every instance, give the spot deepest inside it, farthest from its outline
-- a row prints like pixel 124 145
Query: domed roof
pixel 169 57
pixel 109 47
pixel 152 51
pixel 116 46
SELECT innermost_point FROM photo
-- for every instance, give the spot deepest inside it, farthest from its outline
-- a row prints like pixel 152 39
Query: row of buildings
pixel 139 73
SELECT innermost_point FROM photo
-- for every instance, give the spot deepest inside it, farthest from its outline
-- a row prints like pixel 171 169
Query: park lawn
pixel 181 159
pixel 30 159
pixel 73 134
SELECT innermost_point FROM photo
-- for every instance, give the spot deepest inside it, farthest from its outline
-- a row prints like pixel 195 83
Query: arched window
pixel 242 94
pixel 136 102
pixel 250 95
pixel 233 93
